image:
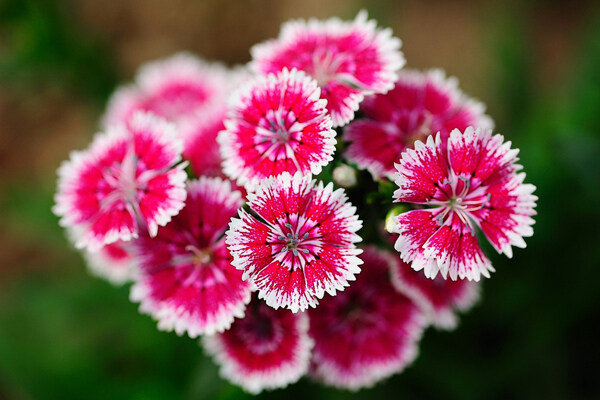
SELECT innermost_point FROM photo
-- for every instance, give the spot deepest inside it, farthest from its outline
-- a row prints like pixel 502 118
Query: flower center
pixel 278 136
pixel 177 100
pixel 325 65
pixel 200 257
pixel 459 198
pixel 277 126
pixel 260 332
pixel 121 185
pixel 279 131
pixel 196 266
pixel 455 203
pixel 297 242
pixel 292 241
pixel 413 125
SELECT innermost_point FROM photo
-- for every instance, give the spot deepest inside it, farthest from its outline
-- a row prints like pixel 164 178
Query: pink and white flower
pixel 199 136
pixel 128 181
pixel 348 59
pixel 276 123
pixel 175 88
pixel 300 244
pixel 473 183
pixel 267 349
pixel 421 104
pixel 439 298
pixel 113 262
pixel 368 332
pixel 186 280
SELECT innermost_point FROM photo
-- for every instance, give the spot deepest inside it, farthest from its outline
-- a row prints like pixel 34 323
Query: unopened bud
pixel 344 175
pixel 391 219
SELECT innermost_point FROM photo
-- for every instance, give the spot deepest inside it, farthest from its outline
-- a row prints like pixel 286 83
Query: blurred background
pixel 536 64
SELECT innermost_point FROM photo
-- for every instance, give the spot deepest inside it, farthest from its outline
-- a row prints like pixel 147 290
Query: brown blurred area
pixel 41 122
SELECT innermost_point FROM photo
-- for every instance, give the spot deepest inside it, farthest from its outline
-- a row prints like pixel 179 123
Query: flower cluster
pixel 225 197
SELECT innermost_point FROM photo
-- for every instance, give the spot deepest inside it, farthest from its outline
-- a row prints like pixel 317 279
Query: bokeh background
pixel 536 64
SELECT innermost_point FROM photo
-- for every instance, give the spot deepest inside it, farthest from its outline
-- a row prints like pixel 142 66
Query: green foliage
pixel 44 47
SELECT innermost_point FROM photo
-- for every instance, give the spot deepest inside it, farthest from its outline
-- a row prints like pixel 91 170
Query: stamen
pixel 439 218
pixel 466 187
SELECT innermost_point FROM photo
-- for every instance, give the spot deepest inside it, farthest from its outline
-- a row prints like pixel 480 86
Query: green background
pixel 534 335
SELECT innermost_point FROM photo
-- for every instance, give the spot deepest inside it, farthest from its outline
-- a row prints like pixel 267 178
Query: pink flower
pixel 348 59
pixel 112 262
pixel 175 88
pixel 438 298
pixel 267 349
pixel 421 104
pixel 472 184
pixel 125 183
pixel 186 279
pixel 368 332
pixel 199 136
pixel 276 123
pixel 302 243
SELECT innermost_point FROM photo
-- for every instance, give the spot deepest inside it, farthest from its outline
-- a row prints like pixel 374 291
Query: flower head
pixel 474 183
pixel 186 280
pixel 125 183
pixel 199 136
pixel 266 349
pixel 438 298
pixel 421 104
pixel 302 243
pixel 276 124
pixel 368 332
pixel 175 88
pixel 113 262
pixel 348 59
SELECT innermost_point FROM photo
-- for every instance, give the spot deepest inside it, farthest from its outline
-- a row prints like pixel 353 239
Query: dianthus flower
pixel 473 183
pixel 276 123
pixel 175 88
pixel 199 136
pixel 186 280
pixel 348 59
pixel 421 104
pixel 113 262
pixel 125 183
pixel 366 333
pixel 439 298
pixel 266 349
pixel 302 243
